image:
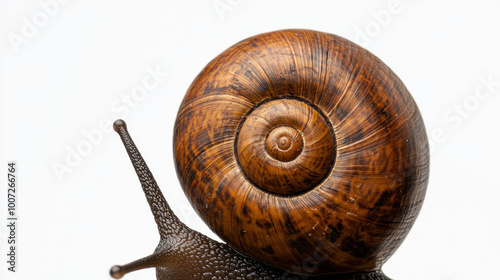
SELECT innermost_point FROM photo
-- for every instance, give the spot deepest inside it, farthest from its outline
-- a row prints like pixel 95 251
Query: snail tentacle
pixel 178 252
pixel 165 218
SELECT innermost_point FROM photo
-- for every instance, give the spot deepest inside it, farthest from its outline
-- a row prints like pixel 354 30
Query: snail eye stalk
pixel 178 254
pixel 168 224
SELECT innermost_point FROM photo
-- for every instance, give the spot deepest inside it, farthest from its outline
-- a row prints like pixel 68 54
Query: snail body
pixel 304 152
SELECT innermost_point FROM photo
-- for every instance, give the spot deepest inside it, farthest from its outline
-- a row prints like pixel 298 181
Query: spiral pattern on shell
pixel 304 151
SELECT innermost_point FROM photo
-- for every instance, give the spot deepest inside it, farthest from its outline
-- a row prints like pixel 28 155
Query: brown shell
pixel 304 151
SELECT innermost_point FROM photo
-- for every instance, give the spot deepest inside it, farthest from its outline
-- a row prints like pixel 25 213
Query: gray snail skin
pixel 302 151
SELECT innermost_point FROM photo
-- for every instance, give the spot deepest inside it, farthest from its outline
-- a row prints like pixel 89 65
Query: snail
pixel 302 151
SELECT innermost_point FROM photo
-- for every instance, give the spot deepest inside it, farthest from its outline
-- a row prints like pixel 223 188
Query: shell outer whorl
pixel 250 114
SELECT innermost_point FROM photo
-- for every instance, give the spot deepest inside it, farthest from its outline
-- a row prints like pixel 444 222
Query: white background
pixel 68 66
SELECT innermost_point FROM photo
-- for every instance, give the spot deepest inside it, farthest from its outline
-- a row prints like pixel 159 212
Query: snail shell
pixel 304 151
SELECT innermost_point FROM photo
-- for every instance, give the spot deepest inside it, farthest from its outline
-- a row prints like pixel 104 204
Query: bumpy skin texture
pixel 346 197
pixel 185 254
pixel 199 257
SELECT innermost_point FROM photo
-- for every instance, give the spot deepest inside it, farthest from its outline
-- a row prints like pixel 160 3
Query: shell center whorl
pixel 284 143
pixel 285 146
